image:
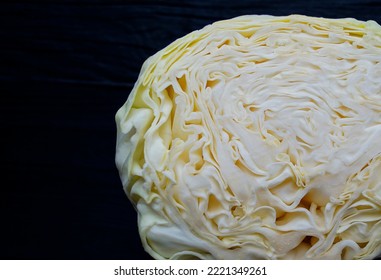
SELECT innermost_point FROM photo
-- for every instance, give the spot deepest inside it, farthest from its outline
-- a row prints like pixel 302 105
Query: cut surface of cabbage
pixel 258 137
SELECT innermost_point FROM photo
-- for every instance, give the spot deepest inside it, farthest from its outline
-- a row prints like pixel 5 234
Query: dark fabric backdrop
pixel 66 67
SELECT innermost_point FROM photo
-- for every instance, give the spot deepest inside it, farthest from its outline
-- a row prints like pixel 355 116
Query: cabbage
pixel 258 137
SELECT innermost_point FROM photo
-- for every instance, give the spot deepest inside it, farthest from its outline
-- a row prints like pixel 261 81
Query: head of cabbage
pixel 258 137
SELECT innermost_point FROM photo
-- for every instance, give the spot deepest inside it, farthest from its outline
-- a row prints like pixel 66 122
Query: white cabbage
pixel 258 138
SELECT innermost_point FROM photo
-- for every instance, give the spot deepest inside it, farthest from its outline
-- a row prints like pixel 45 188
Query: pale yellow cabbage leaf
pixel 258 137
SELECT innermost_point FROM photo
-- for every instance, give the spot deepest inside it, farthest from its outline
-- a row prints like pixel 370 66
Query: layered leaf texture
pixel 258 137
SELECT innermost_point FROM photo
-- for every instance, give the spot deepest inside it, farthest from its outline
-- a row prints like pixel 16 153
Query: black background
pixel 65 69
